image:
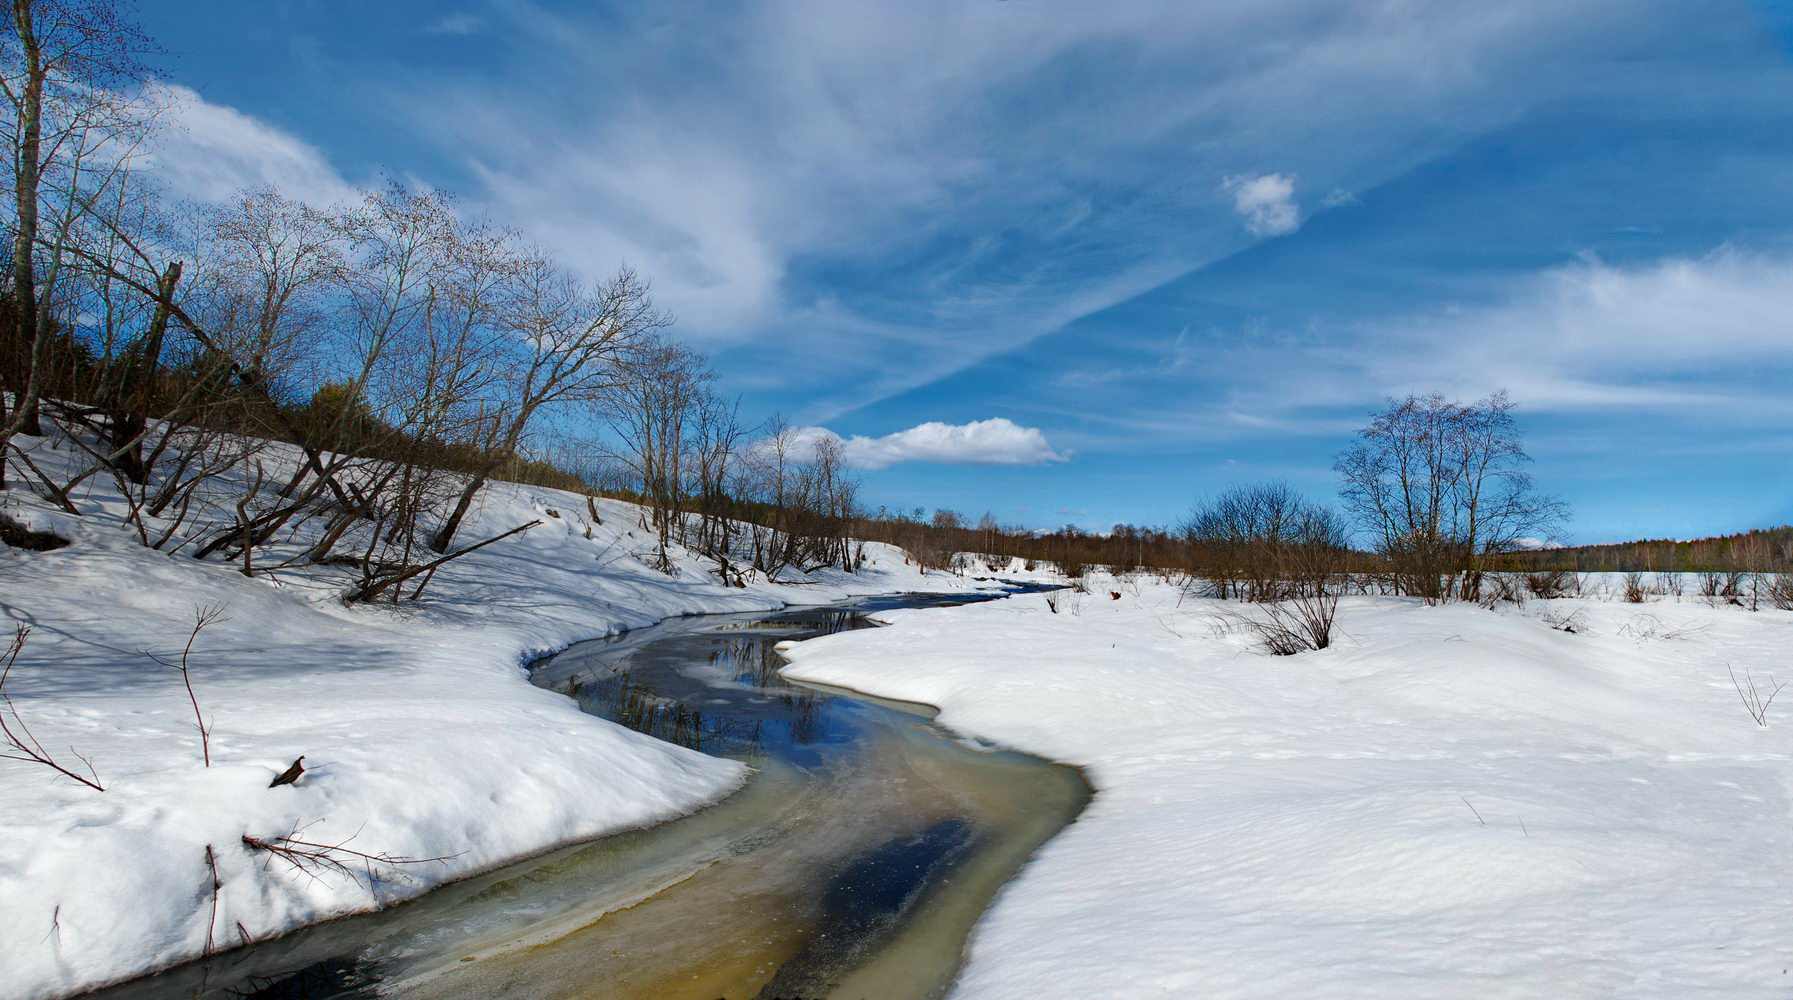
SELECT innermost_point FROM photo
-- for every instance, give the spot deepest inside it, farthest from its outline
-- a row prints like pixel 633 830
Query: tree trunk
pixel 25 186
pixel 445 535
pixel 138 392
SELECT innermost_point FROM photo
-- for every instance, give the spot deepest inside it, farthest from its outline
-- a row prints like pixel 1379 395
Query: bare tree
pixel 568 334
pixel 1440 485
pixel 64 67
pixel 653 411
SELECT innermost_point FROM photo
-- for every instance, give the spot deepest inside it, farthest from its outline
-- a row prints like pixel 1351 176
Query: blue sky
pixel 1129 253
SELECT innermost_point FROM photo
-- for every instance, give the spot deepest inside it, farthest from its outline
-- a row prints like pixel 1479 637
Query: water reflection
pixel 716 689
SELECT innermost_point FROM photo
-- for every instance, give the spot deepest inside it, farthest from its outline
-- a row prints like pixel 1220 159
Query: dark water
pixel 853 864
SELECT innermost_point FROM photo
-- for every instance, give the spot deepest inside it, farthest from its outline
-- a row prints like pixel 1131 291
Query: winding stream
pixel 853 864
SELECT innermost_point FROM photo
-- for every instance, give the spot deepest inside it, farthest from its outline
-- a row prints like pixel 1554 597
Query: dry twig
pixel 1752 697
pixel 315 859
pixel 203 616
pixel 16 737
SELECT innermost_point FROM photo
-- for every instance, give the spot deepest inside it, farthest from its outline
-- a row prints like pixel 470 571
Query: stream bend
pixel 854 863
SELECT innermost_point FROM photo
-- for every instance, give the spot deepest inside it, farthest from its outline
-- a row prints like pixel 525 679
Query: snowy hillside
pixel 421 736
pixel 1449 802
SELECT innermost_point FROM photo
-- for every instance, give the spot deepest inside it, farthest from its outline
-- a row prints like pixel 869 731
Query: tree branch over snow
pixel 16 737
pixel 315 859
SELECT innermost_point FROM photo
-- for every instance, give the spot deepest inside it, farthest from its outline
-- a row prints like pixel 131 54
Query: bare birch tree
pixel 1441 485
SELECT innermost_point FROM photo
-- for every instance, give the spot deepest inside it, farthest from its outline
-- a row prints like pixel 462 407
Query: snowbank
pixel 422 735
pixel 1449 802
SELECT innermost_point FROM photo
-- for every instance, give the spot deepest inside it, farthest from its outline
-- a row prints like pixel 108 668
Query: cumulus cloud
pixel 997 441
pixel 213 151
pixel 1267 201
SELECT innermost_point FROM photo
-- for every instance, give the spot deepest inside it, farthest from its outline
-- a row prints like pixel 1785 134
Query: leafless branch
pixel 17 737
pixel 1752 698
pixel 203 616
pixel 316 860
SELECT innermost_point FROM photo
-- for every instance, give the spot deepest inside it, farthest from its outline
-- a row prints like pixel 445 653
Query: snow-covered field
pixel 421 734
pixel 1450 802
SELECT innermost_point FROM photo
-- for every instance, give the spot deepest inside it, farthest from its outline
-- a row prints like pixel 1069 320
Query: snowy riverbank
pixel 421 734
pixel 1449 802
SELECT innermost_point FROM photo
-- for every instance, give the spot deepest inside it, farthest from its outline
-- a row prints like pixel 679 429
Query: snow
pixel 1448 802
pixel 421 732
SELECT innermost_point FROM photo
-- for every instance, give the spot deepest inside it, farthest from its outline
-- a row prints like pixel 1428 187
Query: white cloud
pixel 733 152
pixel 1685 344
pixel 1267 201
pixel 458 23
pixel 997 441
pixel 1592 335
pixel 212 151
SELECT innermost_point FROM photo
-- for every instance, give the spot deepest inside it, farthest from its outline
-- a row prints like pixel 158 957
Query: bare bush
pixel 1293 626
pixel 1753 700
pixel 1073 570
pixel 1779 591
pixel 1550 584
pixel 1266 543
pixel 1634 591
pixel 1503 588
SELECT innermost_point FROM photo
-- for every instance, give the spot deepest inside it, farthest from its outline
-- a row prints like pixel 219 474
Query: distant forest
pixel 1127 547
pixel 1768 550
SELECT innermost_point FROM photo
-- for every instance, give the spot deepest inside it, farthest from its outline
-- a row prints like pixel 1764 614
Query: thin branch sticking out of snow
pixel 17 737
pixel 1752 697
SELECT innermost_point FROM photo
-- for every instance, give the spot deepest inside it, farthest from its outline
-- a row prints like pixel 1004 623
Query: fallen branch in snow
pixel 1752 698
pixel 1478 815
pixel 17 737
pixel 1573 622
pixel 1648 626
pixel 203 616
pixel 397 577
pixel 316 860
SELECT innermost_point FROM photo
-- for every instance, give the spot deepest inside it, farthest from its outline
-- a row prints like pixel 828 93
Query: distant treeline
pixel 937 539
pixel 1767 550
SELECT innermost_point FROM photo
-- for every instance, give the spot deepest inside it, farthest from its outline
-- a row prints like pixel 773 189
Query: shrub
pixel 1549 583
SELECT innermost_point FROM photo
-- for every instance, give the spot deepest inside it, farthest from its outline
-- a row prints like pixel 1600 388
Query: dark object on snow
pixel 19 535
pixel 291 774
pixel 1114 595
